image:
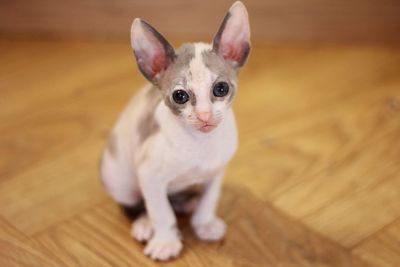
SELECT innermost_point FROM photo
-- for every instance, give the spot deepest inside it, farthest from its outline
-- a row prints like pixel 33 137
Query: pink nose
pixel 204 116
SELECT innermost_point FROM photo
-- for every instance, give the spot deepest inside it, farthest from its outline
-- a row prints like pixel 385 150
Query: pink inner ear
pixel 231 52
pixel 234 40
pixel 158 63
pixel 150 50
pixel 155 59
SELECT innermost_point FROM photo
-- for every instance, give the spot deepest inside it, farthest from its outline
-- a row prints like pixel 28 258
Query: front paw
pixel 212 231
pixel 163 248
pixel 142 229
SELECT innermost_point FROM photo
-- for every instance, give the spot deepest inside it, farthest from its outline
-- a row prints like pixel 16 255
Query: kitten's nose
pixel 204 116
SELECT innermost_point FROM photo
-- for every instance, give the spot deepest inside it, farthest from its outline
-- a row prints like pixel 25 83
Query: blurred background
pixel 272 21
pixel 316 179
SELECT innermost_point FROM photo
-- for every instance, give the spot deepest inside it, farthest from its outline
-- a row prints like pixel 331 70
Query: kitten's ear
pixel 232 41
pixel 152 51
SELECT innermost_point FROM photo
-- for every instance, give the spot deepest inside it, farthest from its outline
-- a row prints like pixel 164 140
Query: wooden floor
pixel 316 181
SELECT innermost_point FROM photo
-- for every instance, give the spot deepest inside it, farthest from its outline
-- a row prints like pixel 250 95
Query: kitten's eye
pixel 180 96
pixel 221 89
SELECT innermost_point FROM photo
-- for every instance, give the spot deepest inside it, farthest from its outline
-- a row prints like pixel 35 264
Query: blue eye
pixel 180 97
pixel 221 89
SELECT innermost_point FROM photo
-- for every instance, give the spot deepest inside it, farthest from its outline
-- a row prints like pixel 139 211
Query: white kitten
pixel 177 132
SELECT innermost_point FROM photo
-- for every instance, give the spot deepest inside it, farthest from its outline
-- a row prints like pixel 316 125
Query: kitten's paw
pixel 141 229
pixel 212 231
pixel 163 249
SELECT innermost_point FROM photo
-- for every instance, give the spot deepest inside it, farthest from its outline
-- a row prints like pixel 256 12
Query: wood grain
pixel 272 21
pixel 383 248
pixel 320 141
pixel 315 181
pixel 16 249
pixel 99 238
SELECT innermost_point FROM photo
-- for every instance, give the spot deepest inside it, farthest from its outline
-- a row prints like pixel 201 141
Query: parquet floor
pixel 315 182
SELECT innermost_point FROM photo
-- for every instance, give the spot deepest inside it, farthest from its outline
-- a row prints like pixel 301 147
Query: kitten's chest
pixel 198 162
pixel 207 153
pixel 192 176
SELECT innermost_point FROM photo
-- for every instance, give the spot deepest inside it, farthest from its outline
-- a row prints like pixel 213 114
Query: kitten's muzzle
pixel 206 124
pixel 206 128
pixel 203 116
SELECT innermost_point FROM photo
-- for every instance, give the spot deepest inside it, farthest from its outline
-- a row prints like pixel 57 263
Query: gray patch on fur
pixel 112 145
pixel 148 124
pixel 192 97
pixel 174 74
pixel 174 107
pixel 217 38
pixel 225 72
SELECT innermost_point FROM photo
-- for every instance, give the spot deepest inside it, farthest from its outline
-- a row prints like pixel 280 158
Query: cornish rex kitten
pixel 177 132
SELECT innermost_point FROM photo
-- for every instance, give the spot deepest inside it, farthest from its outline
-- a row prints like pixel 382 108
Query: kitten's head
pixel 197 81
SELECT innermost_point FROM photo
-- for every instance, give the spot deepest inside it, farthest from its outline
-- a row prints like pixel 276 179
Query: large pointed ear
pixel 152 51
pixel 232 41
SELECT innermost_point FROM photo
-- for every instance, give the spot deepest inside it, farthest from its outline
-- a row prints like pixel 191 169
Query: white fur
pixel 142 229
pixel 202 79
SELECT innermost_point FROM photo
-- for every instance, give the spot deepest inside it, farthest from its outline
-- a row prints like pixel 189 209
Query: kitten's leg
pixel 205 222
pixel 182 203
pixel 165 242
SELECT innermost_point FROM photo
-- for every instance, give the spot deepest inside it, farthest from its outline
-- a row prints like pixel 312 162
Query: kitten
pixel 178 131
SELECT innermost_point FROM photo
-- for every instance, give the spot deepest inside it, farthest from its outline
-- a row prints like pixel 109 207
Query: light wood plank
pixel 383 248
pixel 18 250
pixel 361 172
pixel 53 190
